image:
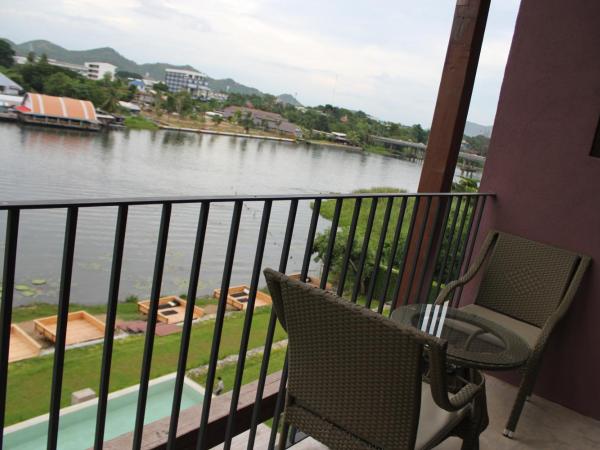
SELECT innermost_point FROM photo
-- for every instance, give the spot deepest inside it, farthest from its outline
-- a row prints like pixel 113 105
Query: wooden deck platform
pixel 171 309
pixel 237 297
pixel 22 346
pixel 81 327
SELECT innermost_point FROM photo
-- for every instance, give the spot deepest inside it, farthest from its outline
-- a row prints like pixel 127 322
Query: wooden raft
pixel 81 327
pixel 171 309
pixel 22 346
pixel 237 297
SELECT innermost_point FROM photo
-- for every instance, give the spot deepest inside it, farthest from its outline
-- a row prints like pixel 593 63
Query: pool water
pixel 77 425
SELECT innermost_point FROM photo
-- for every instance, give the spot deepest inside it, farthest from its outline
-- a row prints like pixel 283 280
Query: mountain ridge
pixel 473 129
pixel 154 70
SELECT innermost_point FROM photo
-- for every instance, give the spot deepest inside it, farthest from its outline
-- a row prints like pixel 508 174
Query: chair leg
pixel 285 427
pixel 525 390
pixel 478 422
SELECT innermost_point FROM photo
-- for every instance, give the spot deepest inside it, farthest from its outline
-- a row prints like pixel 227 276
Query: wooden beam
pixel 447 128
pixel 454 95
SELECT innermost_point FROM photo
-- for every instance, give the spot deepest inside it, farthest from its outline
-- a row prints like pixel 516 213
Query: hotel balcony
pixel 540 181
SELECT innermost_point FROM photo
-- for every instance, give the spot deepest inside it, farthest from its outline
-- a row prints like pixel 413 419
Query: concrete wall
pixel 547 184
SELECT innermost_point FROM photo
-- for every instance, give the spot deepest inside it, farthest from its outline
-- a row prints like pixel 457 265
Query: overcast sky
pixel 382 56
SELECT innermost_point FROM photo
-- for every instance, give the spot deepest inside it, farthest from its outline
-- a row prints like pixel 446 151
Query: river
pixel 44 163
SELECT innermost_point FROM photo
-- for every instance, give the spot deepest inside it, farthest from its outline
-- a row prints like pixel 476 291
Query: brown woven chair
pixel 527 287
pixel 355 377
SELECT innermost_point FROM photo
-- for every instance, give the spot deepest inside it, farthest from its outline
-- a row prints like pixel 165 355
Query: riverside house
pixel 264 119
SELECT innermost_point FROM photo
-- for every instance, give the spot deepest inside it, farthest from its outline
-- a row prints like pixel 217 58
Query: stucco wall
pixel 547 184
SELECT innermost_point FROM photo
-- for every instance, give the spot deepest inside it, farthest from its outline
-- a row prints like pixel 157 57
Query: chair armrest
pixel 564 305
pixel 471 272
pixel 439 385
pixel 449 289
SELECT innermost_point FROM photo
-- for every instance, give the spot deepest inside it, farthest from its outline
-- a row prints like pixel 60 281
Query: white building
pixel 195 83
pixel 97 70
pixel 91 70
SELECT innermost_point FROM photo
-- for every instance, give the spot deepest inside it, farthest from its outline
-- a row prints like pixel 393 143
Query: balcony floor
pixel 544 425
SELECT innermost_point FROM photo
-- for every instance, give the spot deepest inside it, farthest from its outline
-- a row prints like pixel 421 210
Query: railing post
pixel 8 285
pixel 61 326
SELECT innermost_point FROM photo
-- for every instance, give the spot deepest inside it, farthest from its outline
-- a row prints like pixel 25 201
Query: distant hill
pixel 230 85
pixel 288 99
pixel 109 55
pixel 475 129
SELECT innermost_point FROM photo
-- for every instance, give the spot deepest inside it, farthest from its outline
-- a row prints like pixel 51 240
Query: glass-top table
pixel 473 341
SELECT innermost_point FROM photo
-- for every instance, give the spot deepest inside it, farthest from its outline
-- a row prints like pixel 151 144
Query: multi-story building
pixel 97 70
pixel 195 83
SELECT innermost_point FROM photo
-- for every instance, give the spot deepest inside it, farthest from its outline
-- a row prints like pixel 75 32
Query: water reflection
pixel 43 163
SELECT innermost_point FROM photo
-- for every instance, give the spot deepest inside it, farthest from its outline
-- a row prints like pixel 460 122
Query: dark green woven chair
pixel 527 287
pixel 355 377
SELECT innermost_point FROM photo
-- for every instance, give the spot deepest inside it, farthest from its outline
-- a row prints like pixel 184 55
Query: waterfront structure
pixel 40 109
pixel 8 86
pixel 264 119
pixel 7 104
pixel 9 101
pixel 131 107
pixel 178 80
pixel 98 70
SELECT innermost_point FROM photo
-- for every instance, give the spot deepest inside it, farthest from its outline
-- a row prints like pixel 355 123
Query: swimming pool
pixel 78 422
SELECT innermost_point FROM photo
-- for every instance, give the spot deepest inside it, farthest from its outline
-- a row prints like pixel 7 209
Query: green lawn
pixel 251 370
pixel 125 310
pixel 29 381
pixel 140 123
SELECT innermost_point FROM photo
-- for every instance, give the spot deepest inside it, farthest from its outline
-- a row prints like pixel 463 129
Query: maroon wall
pixel 547 184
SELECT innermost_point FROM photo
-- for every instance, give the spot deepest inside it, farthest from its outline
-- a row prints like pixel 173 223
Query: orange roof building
pixel 58 111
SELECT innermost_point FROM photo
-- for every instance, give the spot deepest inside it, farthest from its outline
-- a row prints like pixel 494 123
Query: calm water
pixel 39 163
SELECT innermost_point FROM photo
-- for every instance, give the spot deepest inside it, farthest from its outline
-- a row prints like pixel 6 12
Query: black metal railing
pixel 431 243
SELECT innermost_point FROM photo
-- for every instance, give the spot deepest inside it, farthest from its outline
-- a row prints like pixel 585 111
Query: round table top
pixel 472 340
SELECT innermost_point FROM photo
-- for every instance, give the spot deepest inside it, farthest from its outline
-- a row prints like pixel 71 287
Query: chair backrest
pixel 350 367
pixel 525 279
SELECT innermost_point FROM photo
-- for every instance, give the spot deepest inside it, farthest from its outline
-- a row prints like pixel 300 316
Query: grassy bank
pixel 29 381
pixel 140 123
pixel 126 310
pixel 328 208
pixel 251 370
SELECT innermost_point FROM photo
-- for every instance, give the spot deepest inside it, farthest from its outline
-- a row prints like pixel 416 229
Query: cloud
pixel 384 57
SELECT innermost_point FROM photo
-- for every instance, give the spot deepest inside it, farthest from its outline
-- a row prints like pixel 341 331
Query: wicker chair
pixel 527 287
pixel 355 377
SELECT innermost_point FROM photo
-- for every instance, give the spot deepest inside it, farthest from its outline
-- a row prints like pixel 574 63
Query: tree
pixel 6 54
pixel 60 84
pixel 160 87
pixel 111 102
pixel 124 74
pixel 217 120
pixel 183 103
pixel 246 121
pixel 419 134
pixel 31 57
